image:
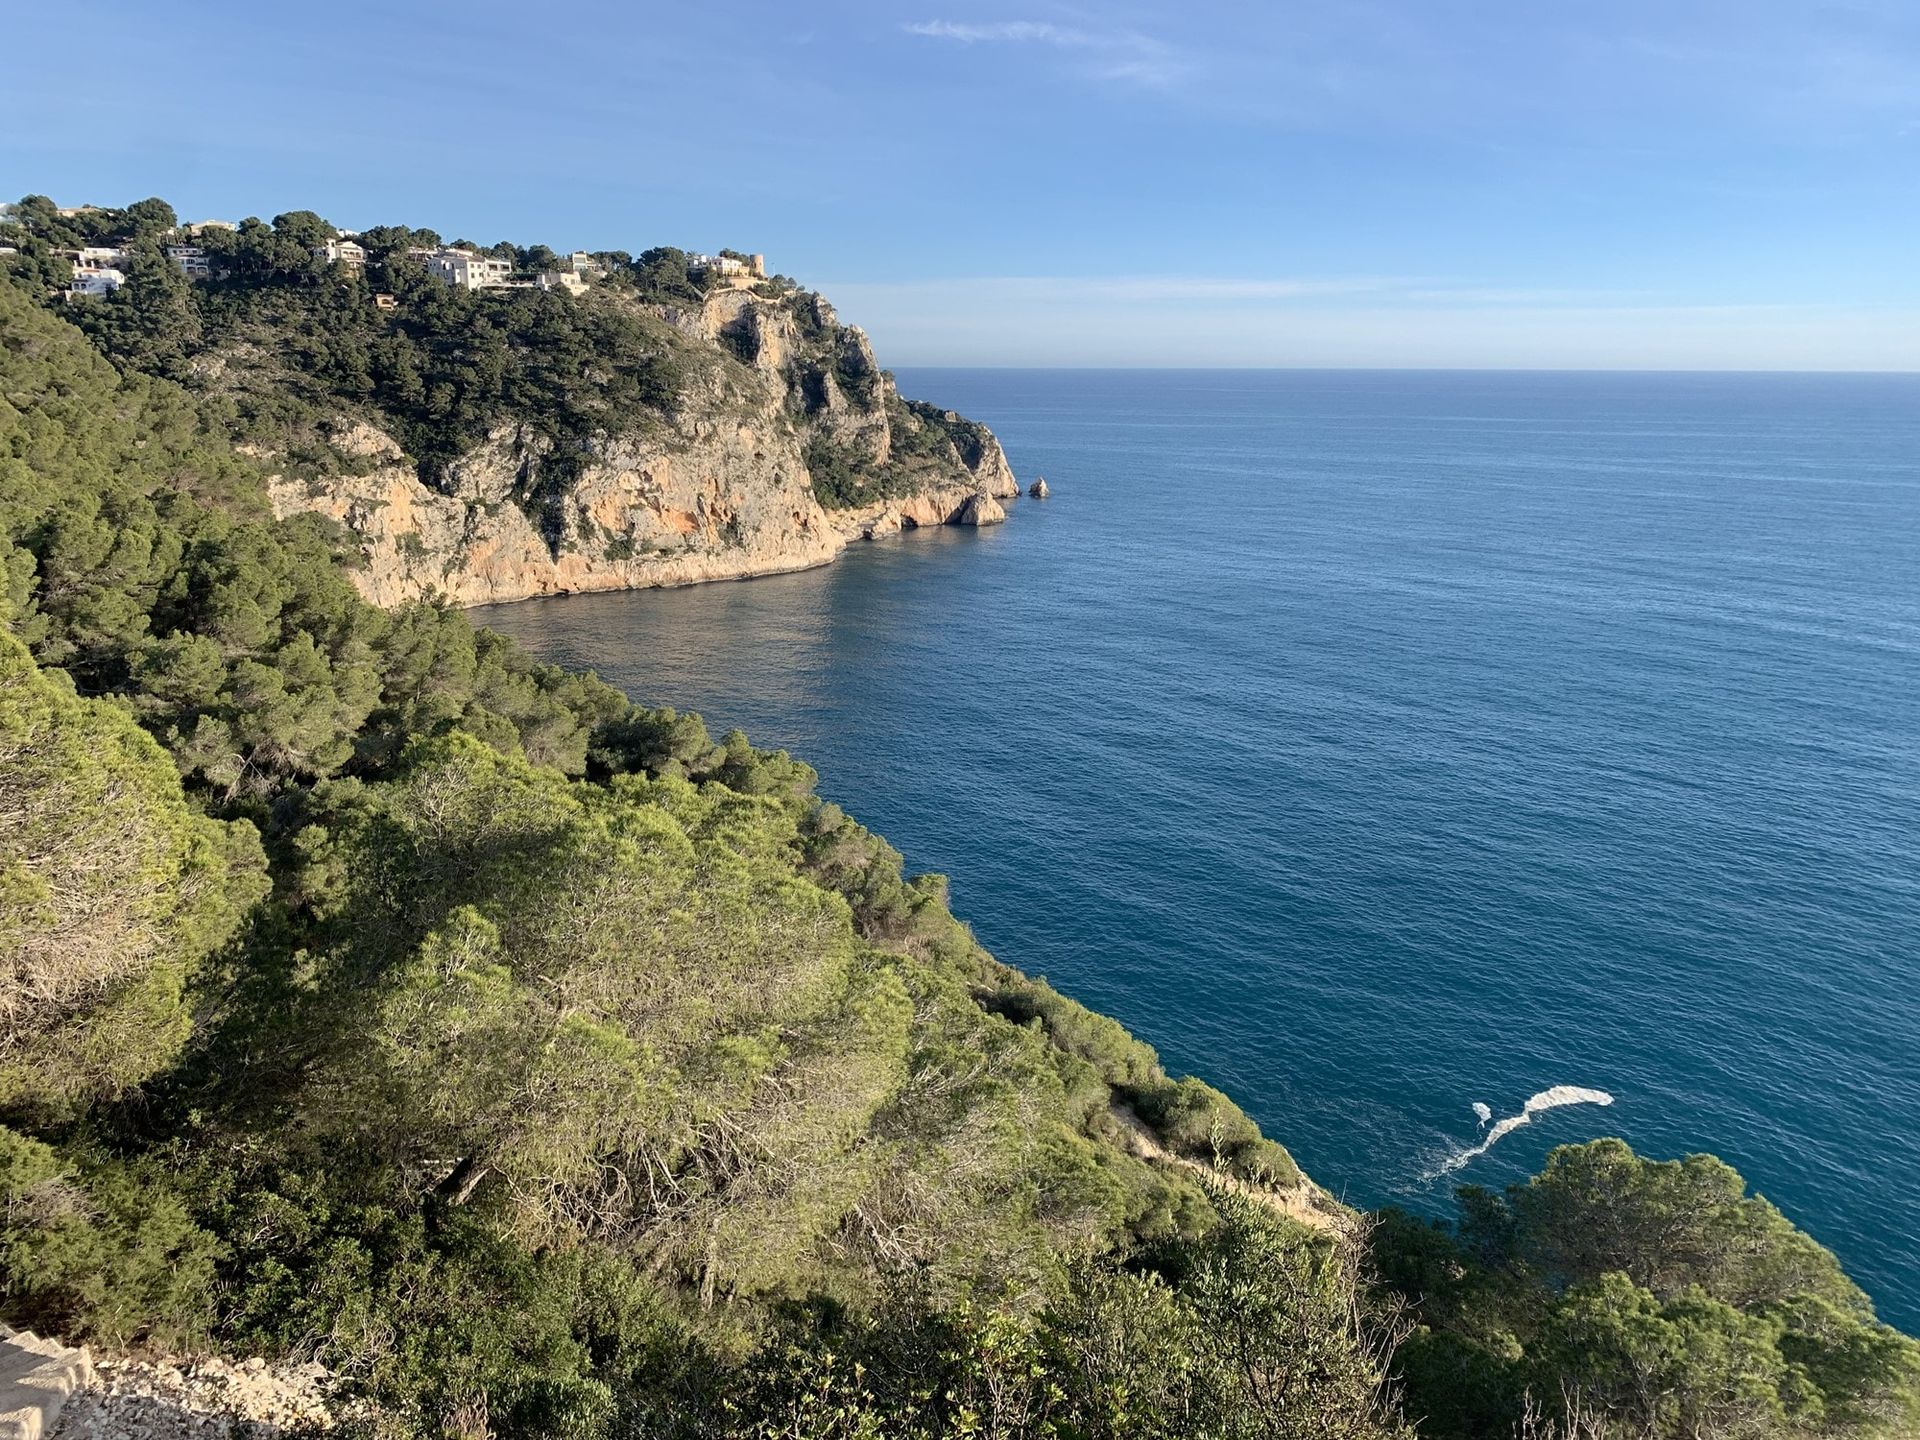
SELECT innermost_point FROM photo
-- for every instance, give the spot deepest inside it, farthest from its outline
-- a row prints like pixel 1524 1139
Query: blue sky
pixel 1615 183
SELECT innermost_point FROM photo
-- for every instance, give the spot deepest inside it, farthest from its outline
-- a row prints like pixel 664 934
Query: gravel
pixel 210 1399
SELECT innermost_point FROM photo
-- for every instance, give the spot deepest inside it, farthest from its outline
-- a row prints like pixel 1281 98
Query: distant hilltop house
pixel 97 270
pixel 341 251
pixel 101 269
pixel 580 270
pixel 96 282
pixel 731 268
pixel 463 269
pixel 469 270
pixel 191 260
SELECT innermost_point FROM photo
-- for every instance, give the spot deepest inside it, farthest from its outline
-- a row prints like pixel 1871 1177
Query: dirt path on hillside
pixel 1306 1202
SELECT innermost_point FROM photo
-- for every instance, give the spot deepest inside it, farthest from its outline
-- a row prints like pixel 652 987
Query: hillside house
pixel 103 280
pixel 341 252
pixel 97 270
pixel 191 260
pixel 730 268
pixel 466 270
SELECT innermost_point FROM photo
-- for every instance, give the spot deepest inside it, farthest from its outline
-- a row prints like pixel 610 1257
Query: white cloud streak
pixel 1125 56
pixel 1202 290
pixel 1383 321
pixel 1003 30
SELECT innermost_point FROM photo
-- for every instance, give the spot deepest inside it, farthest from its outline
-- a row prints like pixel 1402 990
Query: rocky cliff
pixel 783 441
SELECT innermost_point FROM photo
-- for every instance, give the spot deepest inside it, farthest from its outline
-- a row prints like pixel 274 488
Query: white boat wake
pixel 1551 1099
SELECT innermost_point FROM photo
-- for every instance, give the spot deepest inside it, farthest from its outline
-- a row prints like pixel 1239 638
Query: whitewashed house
pixel 191 260
pixel 102 280
pixel 97 270
pixel 465 270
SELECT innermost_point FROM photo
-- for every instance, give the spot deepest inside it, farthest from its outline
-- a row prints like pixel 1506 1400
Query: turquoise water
pixel 1375 744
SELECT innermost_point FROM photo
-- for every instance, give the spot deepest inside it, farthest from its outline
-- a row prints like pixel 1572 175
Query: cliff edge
pixel 779 440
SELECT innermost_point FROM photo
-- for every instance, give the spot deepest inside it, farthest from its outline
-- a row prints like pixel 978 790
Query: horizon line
pixel 1424 369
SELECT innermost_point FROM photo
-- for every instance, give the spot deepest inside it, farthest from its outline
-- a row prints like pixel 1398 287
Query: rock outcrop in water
pixel 783 441
pixel 981 509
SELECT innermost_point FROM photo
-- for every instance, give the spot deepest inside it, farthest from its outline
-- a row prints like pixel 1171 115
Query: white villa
pixel 103 281
pixel 736 271
pixel 96 282
pixel 192 260
pixel 97 270
pixel 341 251
pixel 469 270
pixel 463 269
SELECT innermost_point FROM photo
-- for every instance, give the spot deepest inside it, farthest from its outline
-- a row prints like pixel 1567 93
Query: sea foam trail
pixel 1483 1112
pixel 1551 1099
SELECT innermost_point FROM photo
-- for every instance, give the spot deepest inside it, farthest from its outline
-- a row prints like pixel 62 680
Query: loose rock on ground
pixel 160 1400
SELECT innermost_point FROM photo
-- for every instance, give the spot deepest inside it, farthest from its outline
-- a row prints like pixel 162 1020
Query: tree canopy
pixel 1639 1298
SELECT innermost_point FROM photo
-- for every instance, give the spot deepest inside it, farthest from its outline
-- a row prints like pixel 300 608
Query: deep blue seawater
pixel 1376 743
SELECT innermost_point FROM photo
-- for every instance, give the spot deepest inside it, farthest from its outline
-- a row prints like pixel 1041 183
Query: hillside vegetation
pixel 300 351
pixel 548 1067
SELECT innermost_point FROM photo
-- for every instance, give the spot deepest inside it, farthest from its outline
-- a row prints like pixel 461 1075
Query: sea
pixel 1392 748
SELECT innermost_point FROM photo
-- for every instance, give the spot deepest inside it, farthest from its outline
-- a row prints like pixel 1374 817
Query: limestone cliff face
pixel 853 412
pixel 782 406
pixel 723 503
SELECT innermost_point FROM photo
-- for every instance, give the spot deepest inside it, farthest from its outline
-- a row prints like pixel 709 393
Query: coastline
pixel 766 572
pixel 716 506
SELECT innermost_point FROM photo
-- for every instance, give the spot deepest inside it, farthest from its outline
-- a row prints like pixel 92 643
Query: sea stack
pixel 1038 490
pixel 980 509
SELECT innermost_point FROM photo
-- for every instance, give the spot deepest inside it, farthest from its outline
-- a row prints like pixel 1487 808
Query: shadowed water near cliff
pixel 1380 744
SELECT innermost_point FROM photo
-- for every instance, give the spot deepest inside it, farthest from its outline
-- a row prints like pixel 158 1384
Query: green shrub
pixel 1655 1296
pixel 94 1251
pixel 112 891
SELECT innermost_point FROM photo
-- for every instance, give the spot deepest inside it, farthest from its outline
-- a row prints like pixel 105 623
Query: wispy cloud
pixel 1226 290
pixel 1164 289
pixel 1215 322
pixel 1124 56
pixel 1038 30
